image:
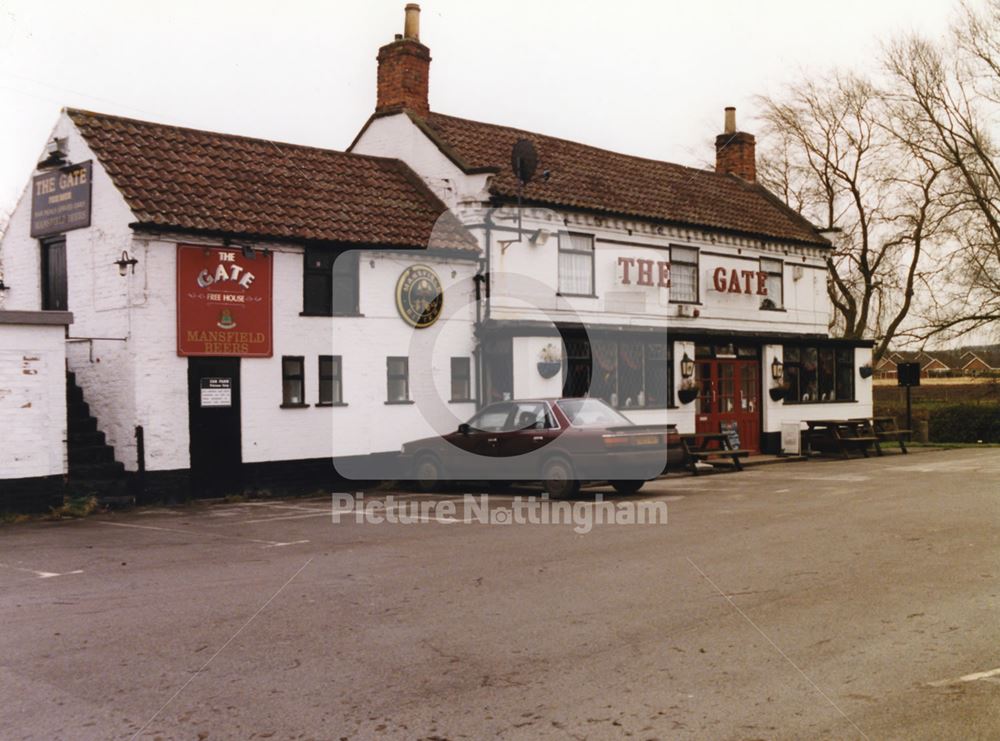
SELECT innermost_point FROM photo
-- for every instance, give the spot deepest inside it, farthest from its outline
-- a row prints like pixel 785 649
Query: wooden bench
pixel 841 436
pixel 698 448
pixel 885 429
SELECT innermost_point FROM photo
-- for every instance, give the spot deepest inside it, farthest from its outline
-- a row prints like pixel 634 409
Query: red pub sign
pixel 223 302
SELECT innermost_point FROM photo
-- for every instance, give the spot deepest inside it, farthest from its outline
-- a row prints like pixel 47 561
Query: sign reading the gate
pixel 60 200
pixel 223 302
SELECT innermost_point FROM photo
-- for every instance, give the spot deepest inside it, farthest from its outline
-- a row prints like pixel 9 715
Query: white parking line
pixel 967 678
pixel 278 518
pixel 266 543
pixel 41 574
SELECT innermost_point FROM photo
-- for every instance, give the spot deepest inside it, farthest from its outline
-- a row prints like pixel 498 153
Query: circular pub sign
pixel 418 296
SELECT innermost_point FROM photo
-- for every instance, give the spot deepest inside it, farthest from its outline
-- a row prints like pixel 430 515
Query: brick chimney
pixel 736 151
pixel 404 69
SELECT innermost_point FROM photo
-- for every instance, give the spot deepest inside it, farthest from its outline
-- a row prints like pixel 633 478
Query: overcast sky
pixel 647 78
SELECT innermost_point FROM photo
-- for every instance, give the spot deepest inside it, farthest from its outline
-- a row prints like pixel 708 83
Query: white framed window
pixel 683 275
pixel 576 264
pixel 774 282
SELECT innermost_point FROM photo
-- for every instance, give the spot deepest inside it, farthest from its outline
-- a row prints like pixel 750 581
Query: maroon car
pixel 560 442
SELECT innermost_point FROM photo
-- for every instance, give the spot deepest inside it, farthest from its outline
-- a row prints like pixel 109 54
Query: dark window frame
pixel 798 370
pixel 300 377
pixel 581 365
pixel 335 378
pixel 466 378
pixel 47 300
pixel 592 253
pixel 390 377
pixel 322 301
pixel 697 273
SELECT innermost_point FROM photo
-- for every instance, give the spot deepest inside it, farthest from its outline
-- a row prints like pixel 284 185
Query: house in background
pixel 943 363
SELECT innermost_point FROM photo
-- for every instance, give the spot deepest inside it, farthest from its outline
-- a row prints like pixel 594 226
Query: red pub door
pixel 729 392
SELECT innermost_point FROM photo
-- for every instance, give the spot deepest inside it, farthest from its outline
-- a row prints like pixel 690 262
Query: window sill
pixel 403 402
pixel 293 406
pixel 641 409
pixel 576 295
pixel 461 401
pixel 331 404
pixel 687 303
pixel 331 316
pixel 775 308
pixel 820 401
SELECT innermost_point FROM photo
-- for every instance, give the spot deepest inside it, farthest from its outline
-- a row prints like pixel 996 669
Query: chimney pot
pixel 411 27
pixel 730 123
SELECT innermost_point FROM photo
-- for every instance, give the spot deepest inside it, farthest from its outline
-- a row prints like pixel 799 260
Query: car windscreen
pixel 591 413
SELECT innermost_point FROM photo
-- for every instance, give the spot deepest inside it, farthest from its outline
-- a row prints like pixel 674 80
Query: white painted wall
pixel 97 295
pixel 397 136
pixel 32 401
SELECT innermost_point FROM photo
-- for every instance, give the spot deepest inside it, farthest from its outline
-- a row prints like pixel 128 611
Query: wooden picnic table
pixel 700 446
pixel 841 435
pixel 885 428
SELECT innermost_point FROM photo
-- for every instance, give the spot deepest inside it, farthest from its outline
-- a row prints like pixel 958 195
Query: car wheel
pixel 557 476
pixel 428 473
pixel 627 487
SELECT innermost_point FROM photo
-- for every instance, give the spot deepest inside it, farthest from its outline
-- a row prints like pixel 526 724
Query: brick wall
pixel 736 154
pixel 403 76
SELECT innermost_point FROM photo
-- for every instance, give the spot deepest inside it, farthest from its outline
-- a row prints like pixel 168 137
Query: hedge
pixel 965 423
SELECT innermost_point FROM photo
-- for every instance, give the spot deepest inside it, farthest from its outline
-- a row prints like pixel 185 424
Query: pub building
pixel 671 292
pixel 243 313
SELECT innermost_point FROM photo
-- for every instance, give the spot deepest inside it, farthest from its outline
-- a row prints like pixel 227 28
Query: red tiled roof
pixel 593 179
pixel 187 179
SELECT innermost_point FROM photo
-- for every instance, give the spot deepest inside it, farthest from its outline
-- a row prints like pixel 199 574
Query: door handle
pixel 492 439
pixel 538 438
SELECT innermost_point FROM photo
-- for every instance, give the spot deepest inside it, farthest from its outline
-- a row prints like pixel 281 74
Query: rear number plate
pixel 647 440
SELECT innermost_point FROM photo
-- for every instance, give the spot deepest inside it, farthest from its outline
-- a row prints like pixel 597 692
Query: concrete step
pixel 96 471
pixel 82 454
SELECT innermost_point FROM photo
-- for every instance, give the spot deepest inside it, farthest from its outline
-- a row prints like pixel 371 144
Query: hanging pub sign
pixel 60 200
pixel 223 302
pixel 419 298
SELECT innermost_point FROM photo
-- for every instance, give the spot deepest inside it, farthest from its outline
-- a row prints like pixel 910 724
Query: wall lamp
pixel 687 366
pixel 3 286
pixel 777 369
pixel 124 262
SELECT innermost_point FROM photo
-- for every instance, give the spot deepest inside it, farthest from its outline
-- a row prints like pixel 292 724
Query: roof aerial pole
pixel 524 162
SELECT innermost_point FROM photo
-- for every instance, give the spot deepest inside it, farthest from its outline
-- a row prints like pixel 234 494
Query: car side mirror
pixel 464 429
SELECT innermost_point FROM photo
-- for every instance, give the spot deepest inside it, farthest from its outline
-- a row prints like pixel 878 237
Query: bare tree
pixel 948 95
pixel 832 150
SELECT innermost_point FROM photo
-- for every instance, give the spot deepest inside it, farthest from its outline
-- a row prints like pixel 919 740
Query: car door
pixel 532 428
pixel 479 447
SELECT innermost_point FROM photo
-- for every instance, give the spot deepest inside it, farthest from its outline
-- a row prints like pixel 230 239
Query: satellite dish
pixel 524 160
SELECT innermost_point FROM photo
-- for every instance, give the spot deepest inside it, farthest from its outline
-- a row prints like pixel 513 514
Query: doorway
pixel 54 274
pixel 729 394
pixel 214 424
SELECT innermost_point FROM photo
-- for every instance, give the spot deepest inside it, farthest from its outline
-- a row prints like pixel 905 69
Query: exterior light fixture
pixel 777 369
pixel 687 366
pixel 3 286
pixel 55 154
pixel 124 262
